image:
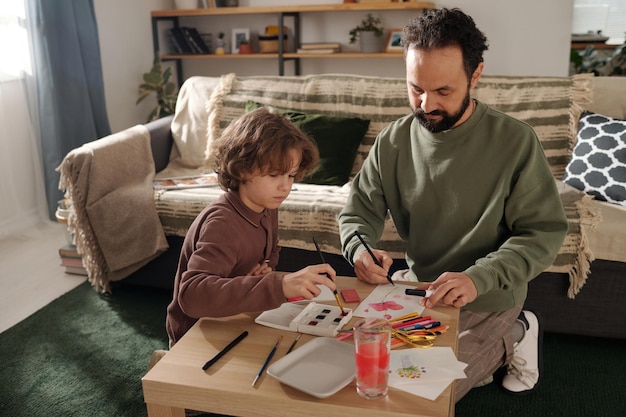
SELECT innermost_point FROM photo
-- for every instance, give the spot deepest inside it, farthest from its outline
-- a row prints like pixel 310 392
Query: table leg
pixel 155 410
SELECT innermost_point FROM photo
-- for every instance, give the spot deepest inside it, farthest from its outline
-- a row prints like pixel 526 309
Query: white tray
pixel 320 367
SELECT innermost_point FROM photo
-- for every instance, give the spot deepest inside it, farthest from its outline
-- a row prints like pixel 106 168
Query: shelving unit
pixel 281 13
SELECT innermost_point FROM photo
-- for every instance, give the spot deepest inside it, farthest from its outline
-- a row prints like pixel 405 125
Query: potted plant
pixel 158 82
pixel 590 61
pixel 245 47
pixel 370 34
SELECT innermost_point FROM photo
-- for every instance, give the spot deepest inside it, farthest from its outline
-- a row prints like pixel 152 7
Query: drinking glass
pixel 372 347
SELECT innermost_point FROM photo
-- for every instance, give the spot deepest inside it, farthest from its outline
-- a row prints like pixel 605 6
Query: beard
pixel 447 120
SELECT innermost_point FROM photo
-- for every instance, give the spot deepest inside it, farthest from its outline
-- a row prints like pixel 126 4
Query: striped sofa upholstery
pixel 206 105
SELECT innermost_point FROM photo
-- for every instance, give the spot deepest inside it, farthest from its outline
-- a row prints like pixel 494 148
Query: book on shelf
pixel 178 41
pixel 321 45
pixel 192 181
pixel 194 39
pixel 319 51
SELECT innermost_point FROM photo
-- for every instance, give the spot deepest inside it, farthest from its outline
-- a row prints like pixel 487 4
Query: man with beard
pixel 470 191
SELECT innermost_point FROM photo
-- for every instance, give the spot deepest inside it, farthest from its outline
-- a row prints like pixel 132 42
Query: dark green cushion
pixel 337 139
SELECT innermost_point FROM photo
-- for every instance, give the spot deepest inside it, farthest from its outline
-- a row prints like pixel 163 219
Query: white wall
pixel 526 38
pixel 126 51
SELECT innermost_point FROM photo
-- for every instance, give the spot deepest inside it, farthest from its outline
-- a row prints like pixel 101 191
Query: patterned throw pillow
pixel 598 164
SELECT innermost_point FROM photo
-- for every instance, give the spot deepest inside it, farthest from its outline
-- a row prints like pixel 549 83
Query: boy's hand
pixel 260 269
pixel 304 283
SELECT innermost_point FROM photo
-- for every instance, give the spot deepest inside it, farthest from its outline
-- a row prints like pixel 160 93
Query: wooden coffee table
pixel 177 382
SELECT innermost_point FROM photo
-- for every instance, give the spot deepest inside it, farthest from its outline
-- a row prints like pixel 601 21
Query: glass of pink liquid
pixel 372 346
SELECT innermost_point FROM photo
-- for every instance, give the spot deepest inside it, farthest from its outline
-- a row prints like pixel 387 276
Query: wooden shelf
pixel 287 55
pixel 280 12
pixel 597 45
pixel 341 7
pixel 346 55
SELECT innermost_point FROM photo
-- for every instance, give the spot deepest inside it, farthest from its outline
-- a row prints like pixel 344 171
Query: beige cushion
pixel 206 105
pixel 609 97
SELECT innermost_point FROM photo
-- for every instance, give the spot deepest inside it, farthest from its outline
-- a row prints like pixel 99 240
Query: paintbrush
pixel 319 252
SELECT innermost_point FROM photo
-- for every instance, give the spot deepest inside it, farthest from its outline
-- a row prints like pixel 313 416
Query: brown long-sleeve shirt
pixel 222 245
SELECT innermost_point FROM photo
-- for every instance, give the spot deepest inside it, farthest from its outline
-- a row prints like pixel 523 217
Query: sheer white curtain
pixel 23 206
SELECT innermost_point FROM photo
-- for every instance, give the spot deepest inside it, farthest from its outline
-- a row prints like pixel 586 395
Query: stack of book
pixel 71 260
pixel 186 40
pixel 320 48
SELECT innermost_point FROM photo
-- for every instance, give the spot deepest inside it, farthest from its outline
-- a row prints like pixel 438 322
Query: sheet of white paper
pixel 424 372
pixel 325 295
pixel 388 301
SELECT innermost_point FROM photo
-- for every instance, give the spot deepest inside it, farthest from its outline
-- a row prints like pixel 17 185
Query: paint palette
pixel 313 318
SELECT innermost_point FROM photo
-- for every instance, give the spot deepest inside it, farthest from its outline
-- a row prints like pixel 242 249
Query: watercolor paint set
pixel 312 318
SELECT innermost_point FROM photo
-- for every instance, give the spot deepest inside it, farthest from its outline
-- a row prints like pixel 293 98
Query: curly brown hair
pixel 259 142
pixel 440 28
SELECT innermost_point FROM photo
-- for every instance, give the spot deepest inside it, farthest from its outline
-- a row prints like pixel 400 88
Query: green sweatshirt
pixel 479 198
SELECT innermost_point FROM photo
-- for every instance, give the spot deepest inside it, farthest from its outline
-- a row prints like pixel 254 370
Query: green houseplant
pixel 591 61
pixel 157 82
pixel 369 24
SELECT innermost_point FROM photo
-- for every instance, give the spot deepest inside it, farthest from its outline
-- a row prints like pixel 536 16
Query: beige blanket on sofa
pixel 113 216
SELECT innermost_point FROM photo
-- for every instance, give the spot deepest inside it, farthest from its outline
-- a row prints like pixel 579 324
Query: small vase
pixel 369 42
pixel 220 46
pixel 245 48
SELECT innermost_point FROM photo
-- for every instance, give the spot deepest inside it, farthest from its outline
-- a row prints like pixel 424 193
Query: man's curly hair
pixel 440 28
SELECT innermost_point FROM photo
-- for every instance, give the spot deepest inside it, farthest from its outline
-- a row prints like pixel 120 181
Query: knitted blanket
pixel 112 215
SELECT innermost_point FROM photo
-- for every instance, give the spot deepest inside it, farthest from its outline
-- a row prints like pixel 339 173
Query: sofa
pixel 130 233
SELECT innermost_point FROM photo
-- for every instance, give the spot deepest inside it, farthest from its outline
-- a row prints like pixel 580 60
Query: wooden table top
pixel 177 381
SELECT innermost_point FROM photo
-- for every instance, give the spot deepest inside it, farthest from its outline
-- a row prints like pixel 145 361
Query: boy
pixel 227 259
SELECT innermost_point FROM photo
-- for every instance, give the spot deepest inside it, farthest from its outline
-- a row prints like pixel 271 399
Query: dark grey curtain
pixel 70 89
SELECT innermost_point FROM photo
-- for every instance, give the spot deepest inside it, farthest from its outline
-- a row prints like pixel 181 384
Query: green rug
pixel 84 355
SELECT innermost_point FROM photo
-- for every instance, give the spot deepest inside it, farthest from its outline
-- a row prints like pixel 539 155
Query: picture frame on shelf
pixel 239 35
pixel 393 41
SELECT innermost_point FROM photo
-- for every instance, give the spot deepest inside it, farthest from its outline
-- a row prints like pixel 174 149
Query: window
pixel 609 16
pixel 15 58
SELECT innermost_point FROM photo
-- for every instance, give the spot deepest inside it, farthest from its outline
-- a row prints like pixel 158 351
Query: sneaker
pixel 522 376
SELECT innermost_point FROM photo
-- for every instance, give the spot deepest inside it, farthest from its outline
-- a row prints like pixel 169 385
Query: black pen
pixel 319 252
pixel 267 361
pixel 226 349
pixel 421 293
pixel 357 234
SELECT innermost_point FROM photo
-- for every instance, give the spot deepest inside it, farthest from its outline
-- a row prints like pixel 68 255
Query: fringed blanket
pixel 112 215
